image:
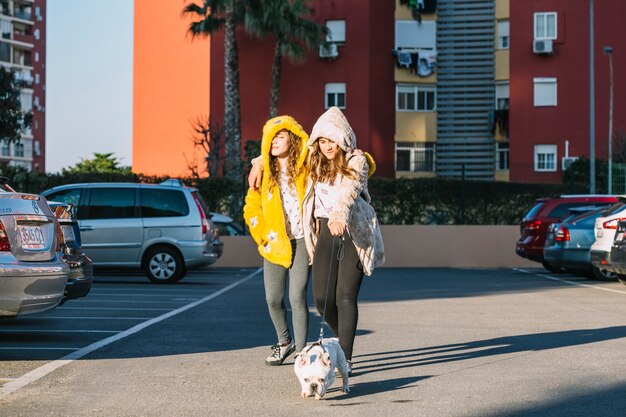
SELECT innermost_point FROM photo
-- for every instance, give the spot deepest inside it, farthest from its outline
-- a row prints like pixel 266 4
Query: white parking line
pixel 125 301
pixel 578 284
pixel 12 386
pixel 88 318
pixel 56 331
pixel 35 348
pixel 96 295
pixel 113 308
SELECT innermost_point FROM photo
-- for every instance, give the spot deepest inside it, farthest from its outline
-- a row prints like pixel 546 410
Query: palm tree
pixel 290 23
pixel 215 15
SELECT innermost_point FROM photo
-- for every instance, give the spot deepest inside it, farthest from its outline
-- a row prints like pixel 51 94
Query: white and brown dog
pixel 315 367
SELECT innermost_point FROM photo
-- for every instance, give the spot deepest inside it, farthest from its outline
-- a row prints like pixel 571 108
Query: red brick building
pixel 549 83
pixel 23 50
pixel 362 71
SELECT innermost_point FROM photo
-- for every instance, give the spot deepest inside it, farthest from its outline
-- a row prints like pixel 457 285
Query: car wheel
pixel 163 265
pixel 621 278
pixel 603 274
pixel 550 267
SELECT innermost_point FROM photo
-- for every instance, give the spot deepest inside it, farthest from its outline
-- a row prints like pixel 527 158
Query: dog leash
pixel 340 254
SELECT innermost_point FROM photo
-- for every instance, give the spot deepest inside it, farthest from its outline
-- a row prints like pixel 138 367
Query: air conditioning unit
pixel 330 51
pixel 566 161
pixel 543 46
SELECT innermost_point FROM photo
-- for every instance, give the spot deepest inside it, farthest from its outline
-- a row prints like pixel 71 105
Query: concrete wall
pixel 418 246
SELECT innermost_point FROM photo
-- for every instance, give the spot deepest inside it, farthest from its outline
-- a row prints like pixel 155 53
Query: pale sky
pixel 89 80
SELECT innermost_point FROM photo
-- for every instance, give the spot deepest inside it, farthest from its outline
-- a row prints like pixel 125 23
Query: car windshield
pixel 534 210
pixel 615 208
pixel 589 216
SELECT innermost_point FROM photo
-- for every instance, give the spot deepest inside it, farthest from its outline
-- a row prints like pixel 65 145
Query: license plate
pixel 68 233
pixel 32 237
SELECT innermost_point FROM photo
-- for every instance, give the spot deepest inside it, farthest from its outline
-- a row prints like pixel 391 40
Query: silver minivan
pixel 163 229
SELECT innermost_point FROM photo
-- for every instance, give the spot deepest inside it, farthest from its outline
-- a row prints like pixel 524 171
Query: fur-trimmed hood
pixel 333 125
pixel 275 125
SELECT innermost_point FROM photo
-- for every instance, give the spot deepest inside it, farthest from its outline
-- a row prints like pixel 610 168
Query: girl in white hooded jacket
pixel 341 230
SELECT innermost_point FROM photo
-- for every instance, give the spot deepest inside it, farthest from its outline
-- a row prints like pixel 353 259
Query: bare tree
pixel 209 138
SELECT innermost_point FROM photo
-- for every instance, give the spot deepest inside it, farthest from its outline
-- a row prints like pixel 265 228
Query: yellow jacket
pixel 263 211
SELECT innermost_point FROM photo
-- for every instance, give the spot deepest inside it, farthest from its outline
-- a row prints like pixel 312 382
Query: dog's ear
pixel 326 359
pixel 303 358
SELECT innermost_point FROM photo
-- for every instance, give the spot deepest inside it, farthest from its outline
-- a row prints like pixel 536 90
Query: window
pixel 163 203
pixel 415 98
pixel 336 31
pixel 545 92
pixel 19 150
pixel 6 149
pixel 545 26
pixel 71 196
pixel 37 34
pixel 112 203
pixel 413 35
pixel 26 100
pixel 335 95
pixel 5 52
pixel 503 34
pixel 415 157
pixel 502 156
pixel 502 96
pixel 545 158
pixel 37 80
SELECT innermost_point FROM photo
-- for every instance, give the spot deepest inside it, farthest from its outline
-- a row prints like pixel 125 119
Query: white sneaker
pixel 280 353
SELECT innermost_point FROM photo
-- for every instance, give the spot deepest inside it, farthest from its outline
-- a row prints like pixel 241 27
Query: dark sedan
pixel 568 243
pixel 81 268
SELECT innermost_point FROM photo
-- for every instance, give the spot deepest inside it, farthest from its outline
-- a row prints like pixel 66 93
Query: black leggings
pixel 345 280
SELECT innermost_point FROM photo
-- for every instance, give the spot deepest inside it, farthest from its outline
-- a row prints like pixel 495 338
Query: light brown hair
pixel 295 146
pixel 326 170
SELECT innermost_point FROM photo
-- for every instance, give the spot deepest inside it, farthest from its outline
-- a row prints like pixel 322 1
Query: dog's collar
pixel 318 343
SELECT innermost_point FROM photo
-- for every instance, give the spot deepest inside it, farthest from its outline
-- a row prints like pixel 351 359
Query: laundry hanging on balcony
pixel 426 62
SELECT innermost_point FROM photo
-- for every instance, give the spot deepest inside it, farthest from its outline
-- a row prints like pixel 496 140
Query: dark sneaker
pixel 280 353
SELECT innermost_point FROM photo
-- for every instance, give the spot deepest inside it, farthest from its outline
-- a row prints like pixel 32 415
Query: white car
pixel 604 230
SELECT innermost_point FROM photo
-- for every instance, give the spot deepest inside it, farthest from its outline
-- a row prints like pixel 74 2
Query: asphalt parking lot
pixel 435 342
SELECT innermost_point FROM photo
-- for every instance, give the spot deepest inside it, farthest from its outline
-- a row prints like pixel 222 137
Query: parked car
pixel 81 269
pixel 617 258
pixel 162 228
pixel 568 243
pixel 605 229
pixel 545 212
pixel 31 265
pixel 226 225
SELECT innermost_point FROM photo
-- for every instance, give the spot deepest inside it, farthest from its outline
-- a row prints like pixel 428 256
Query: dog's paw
pixel 318 397
pixel 304 395
pixel 346 390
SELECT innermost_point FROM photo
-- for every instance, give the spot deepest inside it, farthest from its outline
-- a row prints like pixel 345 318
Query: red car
pixel 545 212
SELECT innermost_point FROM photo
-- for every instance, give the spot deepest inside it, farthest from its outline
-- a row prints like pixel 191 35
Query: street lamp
pixel 592 114
pixel 609 51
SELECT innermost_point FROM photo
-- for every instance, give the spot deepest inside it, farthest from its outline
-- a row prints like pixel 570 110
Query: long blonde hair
pixel 326 170
pixel 295 147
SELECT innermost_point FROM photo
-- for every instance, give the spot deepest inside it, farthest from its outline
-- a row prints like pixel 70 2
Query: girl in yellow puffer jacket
pixel 273 214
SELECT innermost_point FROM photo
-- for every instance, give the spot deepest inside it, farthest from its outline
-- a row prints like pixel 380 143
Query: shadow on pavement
pixel 377 387
pixel 385 361
pixel 400 284
pixel 606 402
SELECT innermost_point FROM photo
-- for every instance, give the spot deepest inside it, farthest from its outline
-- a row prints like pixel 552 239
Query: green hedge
pixel 397 201
pixel 443 201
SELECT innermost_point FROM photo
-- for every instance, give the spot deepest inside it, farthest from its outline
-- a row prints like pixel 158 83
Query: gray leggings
pixel 275 279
